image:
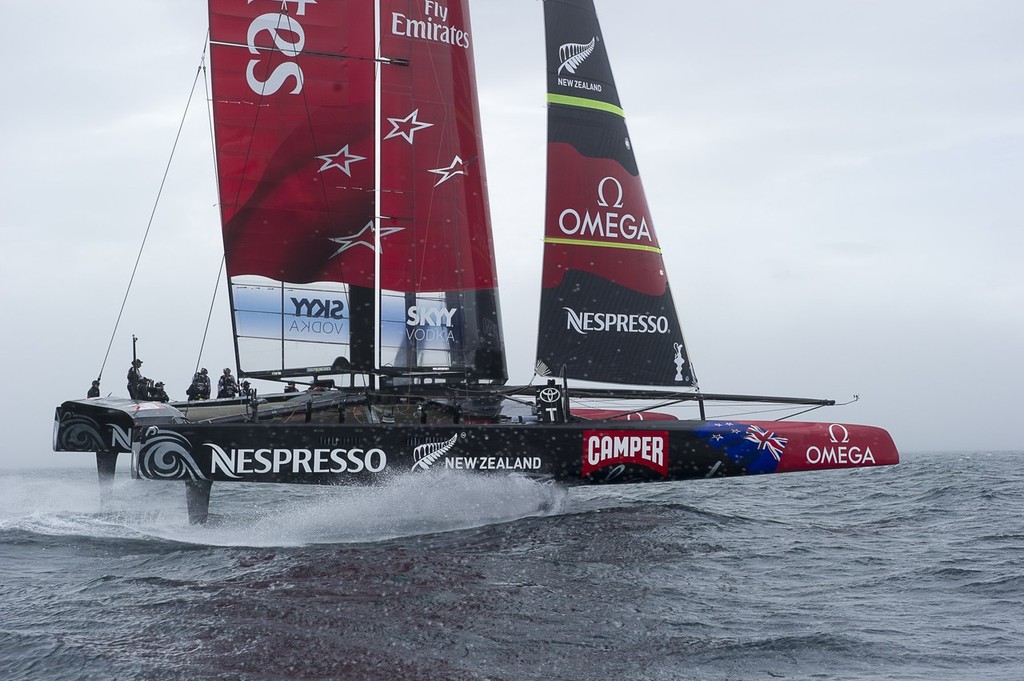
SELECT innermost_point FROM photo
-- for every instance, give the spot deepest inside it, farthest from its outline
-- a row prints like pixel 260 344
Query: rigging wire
pixel 149 224
pixel 206 329
pixel 223 259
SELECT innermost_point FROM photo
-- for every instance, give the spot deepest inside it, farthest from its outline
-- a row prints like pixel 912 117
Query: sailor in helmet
pixel 226 386
pixel 136 381
pixel 200 387
pixel 158 394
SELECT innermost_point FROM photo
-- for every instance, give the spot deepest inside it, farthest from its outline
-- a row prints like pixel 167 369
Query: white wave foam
pixel 261 515
pixel 408 505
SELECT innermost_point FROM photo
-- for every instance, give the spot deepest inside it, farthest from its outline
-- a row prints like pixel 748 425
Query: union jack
pixel 766 440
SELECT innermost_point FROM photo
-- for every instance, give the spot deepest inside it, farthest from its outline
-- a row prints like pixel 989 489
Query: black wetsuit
pixel 200 388
pixel 226 386
pixel 136 384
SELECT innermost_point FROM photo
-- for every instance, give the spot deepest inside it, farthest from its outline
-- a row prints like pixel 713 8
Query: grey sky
pixel 836 185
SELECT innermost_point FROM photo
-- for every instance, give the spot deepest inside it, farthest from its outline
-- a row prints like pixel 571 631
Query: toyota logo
pixel 550 395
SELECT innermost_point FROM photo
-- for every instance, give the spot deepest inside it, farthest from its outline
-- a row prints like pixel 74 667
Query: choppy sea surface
pixel 909 572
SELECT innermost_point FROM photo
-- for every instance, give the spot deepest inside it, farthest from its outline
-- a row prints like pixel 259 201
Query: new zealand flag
pixel 753 448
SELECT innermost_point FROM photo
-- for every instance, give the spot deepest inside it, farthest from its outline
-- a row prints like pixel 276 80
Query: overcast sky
pixel 837 186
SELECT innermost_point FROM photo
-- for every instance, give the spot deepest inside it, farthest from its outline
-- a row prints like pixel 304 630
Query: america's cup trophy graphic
pixel 679 360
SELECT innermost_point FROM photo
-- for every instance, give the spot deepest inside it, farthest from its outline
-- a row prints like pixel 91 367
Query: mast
pixel 607 313
pixel 376 190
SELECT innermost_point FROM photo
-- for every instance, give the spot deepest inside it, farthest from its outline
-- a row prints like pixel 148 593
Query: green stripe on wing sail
pixel 585 103
pixel 601 244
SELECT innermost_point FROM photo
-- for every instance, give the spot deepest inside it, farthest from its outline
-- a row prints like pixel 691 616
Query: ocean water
pixel 910 572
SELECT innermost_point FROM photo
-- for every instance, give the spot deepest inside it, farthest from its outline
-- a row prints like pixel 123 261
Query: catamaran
pixel 360 262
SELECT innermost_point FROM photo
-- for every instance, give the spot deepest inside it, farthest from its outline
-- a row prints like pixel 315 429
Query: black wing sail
pixel 607 313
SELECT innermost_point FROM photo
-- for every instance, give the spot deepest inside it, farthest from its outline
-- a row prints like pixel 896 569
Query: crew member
pixel 136 381
pixel 158 394
pixel 226 386
pixel 200 387
pixel 94 391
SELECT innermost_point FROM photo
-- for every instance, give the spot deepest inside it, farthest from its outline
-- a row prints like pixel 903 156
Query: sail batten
pixel 607 313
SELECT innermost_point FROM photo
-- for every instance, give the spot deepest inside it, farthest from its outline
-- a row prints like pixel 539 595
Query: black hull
pixel 569 453
pixel 579 452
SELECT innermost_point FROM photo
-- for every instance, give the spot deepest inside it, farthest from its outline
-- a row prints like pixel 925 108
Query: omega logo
pixel 835 429
pixel 602 200
pixel 841 452
pixel 610 220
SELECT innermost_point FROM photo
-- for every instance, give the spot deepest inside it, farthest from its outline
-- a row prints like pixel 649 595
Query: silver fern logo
pixel 573 54
pixel 426 455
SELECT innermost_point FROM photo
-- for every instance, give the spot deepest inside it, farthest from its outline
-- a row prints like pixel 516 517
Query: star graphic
pixel 451 171
pixel 330 161
pixel 363 237
pixel 407 127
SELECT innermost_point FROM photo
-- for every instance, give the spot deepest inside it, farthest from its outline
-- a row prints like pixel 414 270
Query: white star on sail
pixel 407 127
pixel 330 161
pixel 363 237
pixel 451 171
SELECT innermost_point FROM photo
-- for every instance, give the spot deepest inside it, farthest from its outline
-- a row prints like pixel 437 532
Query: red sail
pixel 301 91
pixel 294 115
pixel 438 281
pixel 435 216
pixel 294 111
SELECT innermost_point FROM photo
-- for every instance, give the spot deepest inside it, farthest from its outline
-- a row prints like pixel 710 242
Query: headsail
pixel 353 242
pixel 607 313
